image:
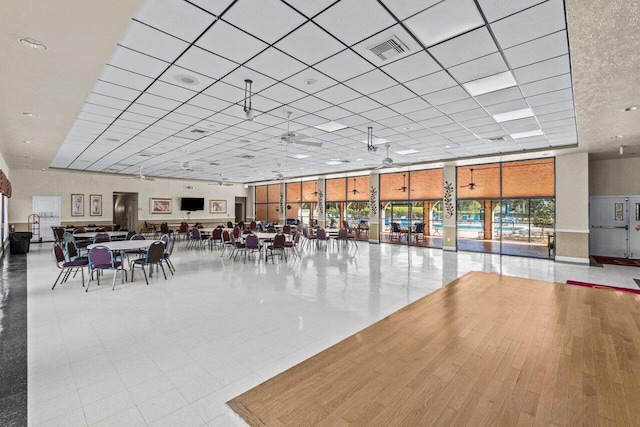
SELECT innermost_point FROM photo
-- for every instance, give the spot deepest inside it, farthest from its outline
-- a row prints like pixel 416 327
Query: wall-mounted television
pixel 192 204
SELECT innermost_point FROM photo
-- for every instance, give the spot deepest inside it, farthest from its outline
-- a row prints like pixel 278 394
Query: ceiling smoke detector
pixel 188 80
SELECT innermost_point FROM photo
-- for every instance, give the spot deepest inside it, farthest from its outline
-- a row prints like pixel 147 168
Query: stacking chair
pixel 294 244
pixel 229 224
pixel 419 233
pixel 196 239
pixel 308 238
pixel 101 238
pixel 342 238
pixel 67 266
pixel 252 245
pixel 351 237
pixel 237 232
pixel 226 241
pixel 322 236
pixel 165 239
pixel 278 245
pixel 167 256
pixel 164 229
pixel 183 231
pixel 286 229
pixel 252 225
pixel 154 256
pixel 100 259
pixel 135 252
pixel 216 238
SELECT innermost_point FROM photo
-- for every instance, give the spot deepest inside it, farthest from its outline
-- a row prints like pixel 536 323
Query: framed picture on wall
pixel 619 216
pixel 160 206
pixel 95 205
pixel 77 205
pixel 217 206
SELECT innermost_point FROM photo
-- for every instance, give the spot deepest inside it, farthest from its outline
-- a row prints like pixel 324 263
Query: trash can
pixel 19 242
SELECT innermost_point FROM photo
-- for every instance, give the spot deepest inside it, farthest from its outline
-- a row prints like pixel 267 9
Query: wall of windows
pixel 347 200
pixel 267 202
pixel 411 207
pixel 302 201
pixel 507 208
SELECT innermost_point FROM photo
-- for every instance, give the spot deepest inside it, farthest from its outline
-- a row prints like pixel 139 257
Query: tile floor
pixel 172 353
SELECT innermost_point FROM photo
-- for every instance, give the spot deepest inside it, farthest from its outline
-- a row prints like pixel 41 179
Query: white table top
pixel 123 245
pixel 112 234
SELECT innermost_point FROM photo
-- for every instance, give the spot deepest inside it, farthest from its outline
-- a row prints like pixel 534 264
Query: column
pixel 374 208
pixel 322 204
pixel 449 235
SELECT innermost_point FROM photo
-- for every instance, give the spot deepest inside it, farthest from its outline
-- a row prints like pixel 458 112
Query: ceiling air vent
pixel 389 48
pixel 498 139
pixel 246 156
pixel 199 131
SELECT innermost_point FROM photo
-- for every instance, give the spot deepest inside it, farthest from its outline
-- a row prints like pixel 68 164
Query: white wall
pixel 28 183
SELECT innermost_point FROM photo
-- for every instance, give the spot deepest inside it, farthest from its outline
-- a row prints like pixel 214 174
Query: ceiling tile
pixel 107 101
pixel 547 85
pixel 344 65
pixel 445 96
pixel 466 47
pixel 379 113
pixel 458 106
pixel 283 93
pixel 410 105
pixel 479 68
pixel 538 21
pixel 310 81
pixel 431 83
pixel 214 6
pixel 371 82
pixel 115 91
pixel 504 95
pixel 392 95
pixel 130 60
pixel 310 9
pixel 193 111
pixel 445 20
pixel 258 18
pixel 411 67
pixel 542 70
pixel 406 8
pixel 180 19
pixel 231 43
pixel 152 42
pixel 425 114
pixel 553 108
pixel 505 107
pixel 275 64
pixel 170 91
pixel 310 104
pixel 209 102
pixel 551 97
pixel 537 50
pixel 259 81
pixel 354 20
pixel 103 111
pixel 360 105
pixel 310 44
pixel 147 110
pixel 337 94
pixel 497 9
pixel 206 63
pixel 226 92
pixel 333 113
pixel 186 79
pixel 157 101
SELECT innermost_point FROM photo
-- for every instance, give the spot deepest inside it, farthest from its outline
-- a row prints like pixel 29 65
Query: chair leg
pixel 90 278
pixel 163 272
pixel 57 278
pixel 145 273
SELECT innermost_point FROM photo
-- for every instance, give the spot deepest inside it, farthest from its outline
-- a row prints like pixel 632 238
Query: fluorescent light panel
pixel 513 115
pixel 334 162
pixel 490 84
pixel 528 134
pixel 376 141
pixel 410 151
pixel 330 126
pixel 299 156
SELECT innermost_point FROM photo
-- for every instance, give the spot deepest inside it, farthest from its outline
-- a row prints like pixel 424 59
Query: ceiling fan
pixel 387 162
pixel 355 191
pixel 471 184
pixel 221 181
pixel 140 176
pixel 314 193
pixel 296 138
pixel 404 187
pixel 186 165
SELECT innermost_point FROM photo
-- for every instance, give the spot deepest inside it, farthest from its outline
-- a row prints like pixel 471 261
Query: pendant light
pixel 248 111
pixel 370 147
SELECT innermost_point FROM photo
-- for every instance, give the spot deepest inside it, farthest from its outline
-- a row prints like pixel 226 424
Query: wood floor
pixel 483 350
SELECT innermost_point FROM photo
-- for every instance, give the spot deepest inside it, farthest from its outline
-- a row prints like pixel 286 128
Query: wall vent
pixel 389 48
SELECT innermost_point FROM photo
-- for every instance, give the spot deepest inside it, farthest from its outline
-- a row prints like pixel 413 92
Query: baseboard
pixel 573 260
pixel 375 242
pixel 450 248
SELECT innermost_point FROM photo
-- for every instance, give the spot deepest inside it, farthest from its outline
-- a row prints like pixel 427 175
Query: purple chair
pixel 66 267
pixel 101 238
pixel 136 252
pixel 278 245
pixel 167 256
pixel 252 245
pixel 154 256
pixel 216 238
pixel 100 259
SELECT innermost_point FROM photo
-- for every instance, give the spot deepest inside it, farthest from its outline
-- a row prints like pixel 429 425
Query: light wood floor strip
pixel 484 350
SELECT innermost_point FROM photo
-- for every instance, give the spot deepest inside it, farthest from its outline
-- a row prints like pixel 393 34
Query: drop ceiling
pixel 474 79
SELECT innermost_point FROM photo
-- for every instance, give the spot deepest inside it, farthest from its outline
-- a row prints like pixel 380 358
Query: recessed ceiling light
pixel 310 82
pixel 632 108
pixel 29 114
pixel 513 115
pixel 26 141
pixel 408 127
pixel 405 152
pixel 186 79
pixel 330 126
pixel 528 134
pixel 36 44
pixel 490 84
